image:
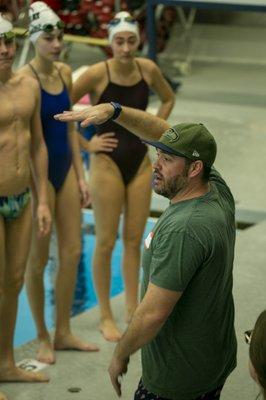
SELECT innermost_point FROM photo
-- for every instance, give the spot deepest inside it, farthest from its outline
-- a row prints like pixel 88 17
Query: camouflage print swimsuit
pixel 12 206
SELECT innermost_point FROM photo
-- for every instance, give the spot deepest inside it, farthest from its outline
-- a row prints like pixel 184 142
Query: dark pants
pixel 143 394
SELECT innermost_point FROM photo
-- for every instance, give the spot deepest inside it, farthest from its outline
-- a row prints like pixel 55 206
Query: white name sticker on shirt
pixel 148 240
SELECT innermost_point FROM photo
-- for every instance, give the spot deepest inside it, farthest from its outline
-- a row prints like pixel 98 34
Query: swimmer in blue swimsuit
pixel 22 154
pixel 67 187
pixel 120 180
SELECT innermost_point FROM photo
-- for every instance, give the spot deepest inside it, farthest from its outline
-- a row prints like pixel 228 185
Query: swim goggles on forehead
pixel 47 28
pixel 8 35
pixel 129 19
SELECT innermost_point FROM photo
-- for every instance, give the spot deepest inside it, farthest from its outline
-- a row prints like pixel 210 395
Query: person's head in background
pixel 7 45
pixel 9 9
pixel 46 31
pixel 257 353
pixel 123 35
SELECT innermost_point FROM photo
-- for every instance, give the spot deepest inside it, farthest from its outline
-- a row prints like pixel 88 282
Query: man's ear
pixel 195 169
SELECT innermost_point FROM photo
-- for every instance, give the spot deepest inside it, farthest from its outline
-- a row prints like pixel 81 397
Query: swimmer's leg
pixel 68 227
pixel 138 196
pixel 17 244
pixel 39 253
pixel 107 193
pixel 2 267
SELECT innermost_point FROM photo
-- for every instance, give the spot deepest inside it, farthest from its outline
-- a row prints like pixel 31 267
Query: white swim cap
pixel 122 22
pixel 42 16
pixel 5 26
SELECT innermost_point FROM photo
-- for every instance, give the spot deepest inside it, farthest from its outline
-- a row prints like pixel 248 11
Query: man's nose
pixel 3 48
pixel 156 164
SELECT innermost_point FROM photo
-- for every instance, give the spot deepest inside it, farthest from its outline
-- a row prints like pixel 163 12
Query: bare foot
pixel 109 330
pixel 70 342
pixel 45 352
pixel 15 374
pixel 2 396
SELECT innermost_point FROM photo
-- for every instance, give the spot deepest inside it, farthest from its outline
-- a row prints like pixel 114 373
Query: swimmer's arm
pixel 38 152
pixel 139 122
pixel 72 132
pixel 147 321
pixel 74 138
pixel 84 143
pixel 86 82
pixel 162 88
pixel 105 142
pixel 74 143
pixel 78 167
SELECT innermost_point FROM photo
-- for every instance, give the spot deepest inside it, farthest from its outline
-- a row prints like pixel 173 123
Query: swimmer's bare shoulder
pixel 94 73
pixel 26 71
pixel 21 85
pixel 63 67
pixel 149 69
pixel 66 73
pixel 30 78
pixel 92 81
pixel 27 82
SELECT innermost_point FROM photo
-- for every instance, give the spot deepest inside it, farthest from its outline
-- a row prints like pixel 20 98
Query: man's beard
pixel 170 187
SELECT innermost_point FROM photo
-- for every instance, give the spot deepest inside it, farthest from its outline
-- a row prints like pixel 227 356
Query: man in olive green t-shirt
pixel 184 323
pixel 191 251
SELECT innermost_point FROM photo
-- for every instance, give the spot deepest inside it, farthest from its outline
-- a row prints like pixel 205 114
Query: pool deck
pixel 88 371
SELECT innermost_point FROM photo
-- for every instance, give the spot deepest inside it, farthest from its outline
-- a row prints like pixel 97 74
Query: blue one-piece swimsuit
pixel 55 133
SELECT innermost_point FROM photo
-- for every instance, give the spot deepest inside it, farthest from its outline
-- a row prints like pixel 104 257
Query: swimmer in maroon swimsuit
pixel 120 177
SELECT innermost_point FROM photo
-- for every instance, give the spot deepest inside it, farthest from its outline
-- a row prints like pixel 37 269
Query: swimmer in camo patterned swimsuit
pixel 22 154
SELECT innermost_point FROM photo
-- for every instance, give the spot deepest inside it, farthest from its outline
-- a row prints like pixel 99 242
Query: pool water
pixel 85 296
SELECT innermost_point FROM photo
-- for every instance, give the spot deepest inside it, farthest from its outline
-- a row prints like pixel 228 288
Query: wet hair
pixel 257 351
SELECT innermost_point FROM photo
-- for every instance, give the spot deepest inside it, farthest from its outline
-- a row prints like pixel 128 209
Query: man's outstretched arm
pixel 141 123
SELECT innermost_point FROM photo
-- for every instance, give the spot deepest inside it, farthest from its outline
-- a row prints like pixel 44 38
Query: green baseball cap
pixel 189 140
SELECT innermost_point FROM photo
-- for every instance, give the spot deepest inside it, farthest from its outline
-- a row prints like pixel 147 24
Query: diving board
pixel 230 5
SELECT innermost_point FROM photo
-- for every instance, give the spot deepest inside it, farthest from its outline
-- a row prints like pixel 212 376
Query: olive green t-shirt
pixel 191 250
